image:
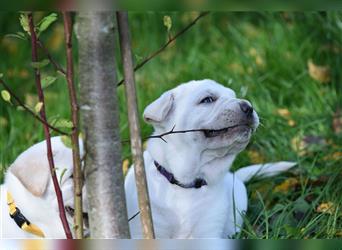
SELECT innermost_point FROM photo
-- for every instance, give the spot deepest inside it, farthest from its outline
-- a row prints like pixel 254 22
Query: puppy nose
pixel 246 108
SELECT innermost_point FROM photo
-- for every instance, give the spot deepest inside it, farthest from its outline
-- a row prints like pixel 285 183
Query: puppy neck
pixel 187 163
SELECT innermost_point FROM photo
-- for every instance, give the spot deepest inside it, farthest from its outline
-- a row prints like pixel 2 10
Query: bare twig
pixel 77 172
pixel 163 47
pixel 56 65
pixel 136 145
pixel 46 130
pixel 172 131
pixel 22 104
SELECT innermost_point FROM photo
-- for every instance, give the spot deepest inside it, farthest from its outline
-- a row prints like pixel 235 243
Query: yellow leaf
pixel 260 61
pixel 255 157
pixel 284 112
pixel 6 96
pixel 291 123
pixel 338 233
pixel 334 156
pixel 326 208
pixel 286 185
pixel 298 145
pixel 318 72
pixel 125 166
pixel 38 107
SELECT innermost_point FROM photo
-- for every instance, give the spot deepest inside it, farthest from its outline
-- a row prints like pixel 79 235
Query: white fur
pixel 215 210
pixel 41 210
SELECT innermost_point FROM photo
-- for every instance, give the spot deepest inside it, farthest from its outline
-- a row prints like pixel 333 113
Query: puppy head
pixel 32 170
pixel 226 121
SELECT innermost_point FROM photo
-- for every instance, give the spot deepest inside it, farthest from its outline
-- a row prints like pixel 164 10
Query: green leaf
pixel 167 22
pixel 1 75
pixel 63 123
pixel 46 22
pixel 38 107
pixel 24 23
pixel 62 174
pixel 38 65
pixel 19 35
pixel 47 81
pixel 6 96
pixel 66 141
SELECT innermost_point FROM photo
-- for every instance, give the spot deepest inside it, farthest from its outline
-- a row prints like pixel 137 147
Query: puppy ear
pixel 158 110
pixel 33 171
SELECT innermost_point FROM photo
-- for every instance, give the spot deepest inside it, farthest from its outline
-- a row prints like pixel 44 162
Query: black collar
pixel 197 183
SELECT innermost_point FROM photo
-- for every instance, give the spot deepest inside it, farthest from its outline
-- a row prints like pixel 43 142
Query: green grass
pixel 263 57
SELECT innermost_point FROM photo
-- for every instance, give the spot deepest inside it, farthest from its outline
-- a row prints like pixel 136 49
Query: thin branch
pixel 46 130
pixel 77 171
pixel 56 65
pixel 22 104
pixel 173 131
pixel 134 126
pixel 163 47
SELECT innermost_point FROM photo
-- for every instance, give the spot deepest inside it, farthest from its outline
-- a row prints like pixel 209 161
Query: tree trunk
pixel 100 118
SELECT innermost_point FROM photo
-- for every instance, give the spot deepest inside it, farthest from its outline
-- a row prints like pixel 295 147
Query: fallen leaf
pixel 337 121
pixel 326 208
pixel 334 156
pixel 283 112
pixel 291 123
pixel 125 166
pixel 318 72
pixel 255 157
pixel 286 185
pixel 338 233
pixel 298 145
pixel 260 61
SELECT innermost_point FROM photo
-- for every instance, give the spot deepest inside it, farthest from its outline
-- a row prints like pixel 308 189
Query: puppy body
pixel 29 182
pixel 188 213
pixel 214 210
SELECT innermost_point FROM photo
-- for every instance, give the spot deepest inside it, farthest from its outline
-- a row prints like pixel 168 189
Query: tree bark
pixel 100 117
pixel 134 127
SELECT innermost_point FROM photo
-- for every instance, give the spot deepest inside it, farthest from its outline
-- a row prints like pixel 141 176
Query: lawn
pixel 287 64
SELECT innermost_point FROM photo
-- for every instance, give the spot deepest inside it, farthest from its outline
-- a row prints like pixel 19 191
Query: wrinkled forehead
pixel 203 88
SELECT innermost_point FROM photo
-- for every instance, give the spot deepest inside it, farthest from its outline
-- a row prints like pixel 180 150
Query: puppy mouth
pixel 210 133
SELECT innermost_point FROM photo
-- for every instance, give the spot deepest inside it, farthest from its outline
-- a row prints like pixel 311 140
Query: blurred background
pixel 288 64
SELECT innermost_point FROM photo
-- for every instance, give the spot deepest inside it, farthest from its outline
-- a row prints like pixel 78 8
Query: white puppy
pixel 192 192
pixel 29 182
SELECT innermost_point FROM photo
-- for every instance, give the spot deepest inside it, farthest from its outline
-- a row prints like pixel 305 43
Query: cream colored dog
pixel 29 182
pixel 192 192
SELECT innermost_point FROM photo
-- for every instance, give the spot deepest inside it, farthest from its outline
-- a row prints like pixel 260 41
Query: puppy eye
pixel 208 99
pixel 71 176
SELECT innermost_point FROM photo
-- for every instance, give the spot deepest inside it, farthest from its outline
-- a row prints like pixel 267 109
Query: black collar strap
pixel 197 183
